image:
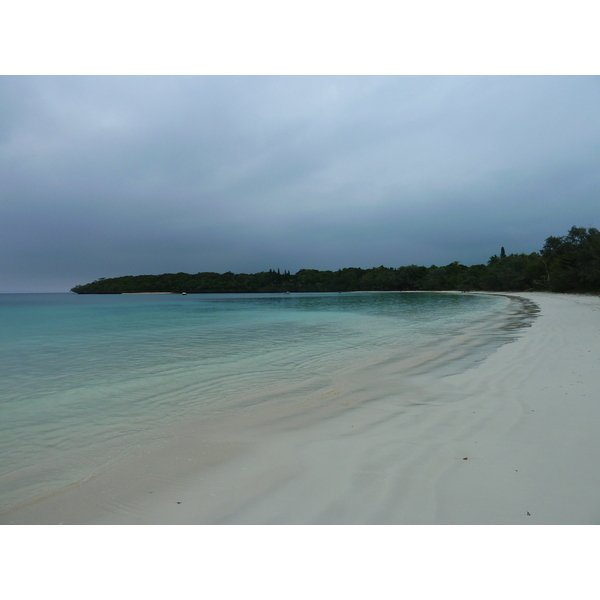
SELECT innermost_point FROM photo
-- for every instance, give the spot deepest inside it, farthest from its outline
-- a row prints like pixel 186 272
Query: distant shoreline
pixel 564 264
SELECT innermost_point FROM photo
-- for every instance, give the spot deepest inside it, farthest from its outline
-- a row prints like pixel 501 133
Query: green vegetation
pixel 565 264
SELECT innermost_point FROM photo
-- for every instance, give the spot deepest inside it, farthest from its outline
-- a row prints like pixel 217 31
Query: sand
pixel 512 440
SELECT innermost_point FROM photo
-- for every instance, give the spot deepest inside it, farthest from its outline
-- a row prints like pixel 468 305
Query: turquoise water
pixel 86 377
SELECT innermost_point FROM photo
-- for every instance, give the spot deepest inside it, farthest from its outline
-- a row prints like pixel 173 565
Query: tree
pixel 573 261
pixel 568 263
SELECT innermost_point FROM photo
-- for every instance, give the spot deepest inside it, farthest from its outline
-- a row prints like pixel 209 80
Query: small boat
pixel 184 293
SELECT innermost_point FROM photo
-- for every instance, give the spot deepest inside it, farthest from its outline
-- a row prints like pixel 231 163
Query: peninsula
pixel 570 263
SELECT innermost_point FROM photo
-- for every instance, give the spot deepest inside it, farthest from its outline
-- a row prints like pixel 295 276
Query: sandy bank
pixel 533 458
pixel 513 440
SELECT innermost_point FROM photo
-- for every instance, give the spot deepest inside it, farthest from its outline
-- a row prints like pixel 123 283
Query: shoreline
pixel 484 446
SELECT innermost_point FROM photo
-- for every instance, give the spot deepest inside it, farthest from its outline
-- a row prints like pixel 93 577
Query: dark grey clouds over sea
pixel 110 176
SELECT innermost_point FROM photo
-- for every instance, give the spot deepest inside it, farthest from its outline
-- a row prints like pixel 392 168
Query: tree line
pixel 570 263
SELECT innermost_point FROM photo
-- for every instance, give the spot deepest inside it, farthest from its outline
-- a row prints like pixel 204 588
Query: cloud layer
pixel 109 176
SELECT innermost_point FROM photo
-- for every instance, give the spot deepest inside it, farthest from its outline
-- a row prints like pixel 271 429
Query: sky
pixel 104 176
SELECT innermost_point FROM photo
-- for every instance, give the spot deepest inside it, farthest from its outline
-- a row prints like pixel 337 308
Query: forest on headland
pixel 570 263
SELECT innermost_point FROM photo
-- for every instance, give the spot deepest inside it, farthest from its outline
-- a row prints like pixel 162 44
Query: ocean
pixel 86 378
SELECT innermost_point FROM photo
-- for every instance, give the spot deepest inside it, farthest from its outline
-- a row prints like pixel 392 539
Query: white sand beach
pixel 513 440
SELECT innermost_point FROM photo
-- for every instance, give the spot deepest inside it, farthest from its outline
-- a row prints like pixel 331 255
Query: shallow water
pixel 86 378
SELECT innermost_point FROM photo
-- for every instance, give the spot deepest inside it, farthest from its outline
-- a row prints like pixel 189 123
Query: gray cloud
pixel 107 176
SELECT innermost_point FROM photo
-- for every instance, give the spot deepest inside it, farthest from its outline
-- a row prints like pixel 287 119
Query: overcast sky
pixel 111 176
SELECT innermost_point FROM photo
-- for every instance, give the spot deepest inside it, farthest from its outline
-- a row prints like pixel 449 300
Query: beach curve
pixel 511 440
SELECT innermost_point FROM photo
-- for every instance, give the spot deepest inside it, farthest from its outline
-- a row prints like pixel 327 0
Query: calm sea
pixel 84 378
